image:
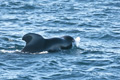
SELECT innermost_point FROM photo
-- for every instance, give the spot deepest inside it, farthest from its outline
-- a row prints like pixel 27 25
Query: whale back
pixel 34 43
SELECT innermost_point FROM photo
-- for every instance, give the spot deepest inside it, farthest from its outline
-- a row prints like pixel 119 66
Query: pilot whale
pixel 36 43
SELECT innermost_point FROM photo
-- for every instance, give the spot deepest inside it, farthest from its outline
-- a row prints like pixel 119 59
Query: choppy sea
pixel 96 56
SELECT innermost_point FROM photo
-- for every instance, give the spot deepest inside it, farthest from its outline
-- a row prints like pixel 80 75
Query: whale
pixel 37 43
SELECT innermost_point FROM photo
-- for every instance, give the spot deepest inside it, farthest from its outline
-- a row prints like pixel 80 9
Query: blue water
pixel 96 22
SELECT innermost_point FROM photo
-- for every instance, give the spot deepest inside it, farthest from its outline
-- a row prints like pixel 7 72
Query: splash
pixel 77 41
pixel 19 51
pixel 9 51
pixel 43 52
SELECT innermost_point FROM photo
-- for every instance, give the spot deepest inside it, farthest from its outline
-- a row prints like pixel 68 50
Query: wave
pixel 18 4
pixel 9 51
pixel 109 36
pixel 19 51
pixel 62 31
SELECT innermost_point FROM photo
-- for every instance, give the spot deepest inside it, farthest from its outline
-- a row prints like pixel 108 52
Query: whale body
pixel 36 43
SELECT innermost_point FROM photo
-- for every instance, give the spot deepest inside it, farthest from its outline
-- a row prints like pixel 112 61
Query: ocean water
pixel 95 22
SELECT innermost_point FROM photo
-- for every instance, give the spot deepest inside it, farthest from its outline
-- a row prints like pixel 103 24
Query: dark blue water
pixel 96 22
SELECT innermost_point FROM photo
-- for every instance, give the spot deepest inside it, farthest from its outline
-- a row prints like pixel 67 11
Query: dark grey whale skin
pixel 36 43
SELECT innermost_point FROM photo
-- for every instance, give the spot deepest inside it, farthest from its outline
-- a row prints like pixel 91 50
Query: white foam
pixel 77 41
pixel 18 51
pixel 9 51
pixel 43 52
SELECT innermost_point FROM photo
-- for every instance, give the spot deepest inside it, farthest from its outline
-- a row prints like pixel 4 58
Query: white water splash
pixel 43 52
pixel 77 41
pixel 9 51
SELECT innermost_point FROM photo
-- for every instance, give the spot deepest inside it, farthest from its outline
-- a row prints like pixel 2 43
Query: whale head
pixel 69 39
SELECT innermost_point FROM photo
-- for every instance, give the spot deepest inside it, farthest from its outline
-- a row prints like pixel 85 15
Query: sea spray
pixel 77 41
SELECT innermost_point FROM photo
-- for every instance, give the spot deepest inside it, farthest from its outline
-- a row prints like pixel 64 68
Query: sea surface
pixel 95 22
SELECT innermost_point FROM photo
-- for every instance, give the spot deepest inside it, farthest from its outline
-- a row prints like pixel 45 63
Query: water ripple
pixel 96 57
